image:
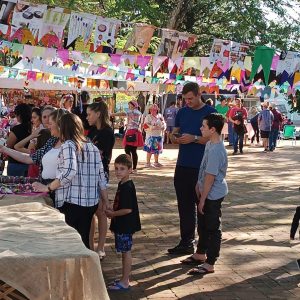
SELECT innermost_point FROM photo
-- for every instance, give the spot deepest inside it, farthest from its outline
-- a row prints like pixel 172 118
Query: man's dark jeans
pixel 185 180
pixel 209 230
pixel 273 139
pixel 238 141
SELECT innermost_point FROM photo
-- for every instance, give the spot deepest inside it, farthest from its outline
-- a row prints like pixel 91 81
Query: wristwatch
pixel 196 139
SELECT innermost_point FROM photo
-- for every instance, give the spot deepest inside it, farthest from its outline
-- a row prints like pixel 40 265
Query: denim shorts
pixel 123 242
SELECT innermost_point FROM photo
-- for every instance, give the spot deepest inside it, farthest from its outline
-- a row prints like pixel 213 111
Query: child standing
pixel 211 189
pixel 125 219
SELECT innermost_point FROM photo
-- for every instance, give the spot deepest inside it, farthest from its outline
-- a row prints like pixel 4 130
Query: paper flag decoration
pixel 106 32
pixel 30 16
pixel 263 56
pixel 140 37
pixel 157 62
pixel 191 62
pixel 288 61
pixel 184 42
pixel 169 39
pixel 143 61
pixel 228 52
pixel 81 24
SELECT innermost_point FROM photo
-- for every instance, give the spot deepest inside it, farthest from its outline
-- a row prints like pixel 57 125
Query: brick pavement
pixel 257 260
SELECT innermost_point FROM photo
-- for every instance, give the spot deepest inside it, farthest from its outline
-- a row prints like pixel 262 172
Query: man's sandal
pixel 200 270
pixel 191 261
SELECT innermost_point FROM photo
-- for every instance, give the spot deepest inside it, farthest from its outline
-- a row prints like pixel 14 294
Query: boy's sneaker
pixel 234 152
pixel 182 249
pixel 241 151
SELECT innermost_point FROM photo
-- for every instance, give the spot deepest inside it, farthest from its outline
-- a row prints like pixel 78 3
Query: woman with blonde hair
pixel 80 178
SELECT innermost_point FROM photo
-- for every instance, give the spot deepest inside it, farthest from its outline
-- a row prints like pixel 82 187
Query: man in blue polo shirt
pixel 191 149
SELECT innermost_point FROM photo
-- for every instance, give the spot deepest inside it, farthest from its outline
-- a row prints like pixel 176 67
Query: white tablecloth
pixel 44 258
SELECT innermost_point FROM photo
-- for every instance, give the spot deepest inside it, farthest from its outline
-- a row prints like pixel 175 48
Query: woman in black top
pixel 103 137
pixel 18 133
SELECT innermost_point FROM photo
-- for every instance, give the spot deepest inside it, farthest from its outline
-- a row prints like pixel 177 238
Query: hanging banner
pixel 106 32
pixel 52 31
pixel 288 61
pixel 81 24
pixel 27 15
pixel 6 13
pixel 169 40
pixel 185 41
pixel 228 52
pixel 140 37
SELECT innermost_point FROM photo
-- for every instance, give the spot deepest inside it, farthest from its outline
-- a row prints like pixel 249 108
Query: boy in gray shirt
pixel 211 190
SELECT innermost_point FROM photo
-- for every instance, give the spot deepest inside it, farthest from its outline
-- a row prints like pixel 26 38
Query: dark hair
pixel 38 112
pixel 103 109
pixel 125 160
pixel 173 103
pixel 215 120
pixel 191 87
pixel 85 97
pixel 98 99
pixel 24 112
pixel 71 128
pixel 44 136
pixel 209 102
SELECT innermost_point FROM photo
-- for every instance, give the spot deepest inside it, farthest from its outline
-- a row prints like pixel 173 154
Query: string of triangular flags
pixel 55 27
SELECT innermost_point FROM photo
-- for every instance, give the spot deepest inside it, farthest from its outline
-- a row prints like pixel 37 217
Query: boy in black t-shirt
pixel 125 218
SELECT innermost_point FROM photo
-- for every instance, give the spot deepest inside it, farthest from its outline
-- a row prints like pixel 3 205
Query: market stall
pixel 43 258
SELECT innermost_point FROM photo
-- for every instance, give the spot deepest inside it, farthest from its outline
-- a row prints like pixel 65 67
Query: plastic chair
pixel 288 133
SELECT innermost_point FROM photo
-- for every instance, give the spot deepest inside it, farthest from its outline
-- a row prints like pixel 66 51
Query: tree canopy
pixel 270 22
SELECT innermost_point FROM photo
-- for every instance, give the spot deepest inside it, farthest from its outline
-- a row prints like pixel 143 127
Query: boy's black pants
pixel 80 218
pixel 295 222
pixel 209 230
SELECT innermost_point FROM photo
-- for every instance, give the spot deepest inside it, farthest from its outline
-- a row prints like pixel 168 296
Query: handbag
pixel 130 138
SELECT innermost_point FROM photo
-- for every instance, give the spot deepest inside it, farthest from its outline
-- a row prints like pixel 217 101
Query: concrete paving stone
pixel 257 261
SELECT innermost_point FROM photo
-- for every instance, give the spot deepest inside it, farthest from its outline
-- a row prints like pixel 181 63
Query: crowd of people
pixel 81 141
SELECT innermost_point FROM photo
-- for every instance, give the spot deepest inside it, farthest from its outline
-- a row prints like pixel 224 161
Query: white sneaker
pixel 147 166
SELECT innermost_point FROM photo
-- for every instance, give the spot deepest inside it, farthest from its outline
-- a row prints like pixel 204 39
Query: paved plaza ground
pixel 257 259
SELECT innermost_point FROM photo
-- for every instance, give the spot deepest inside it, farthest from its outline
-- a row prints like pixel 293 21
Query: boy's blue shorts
pixel 123 242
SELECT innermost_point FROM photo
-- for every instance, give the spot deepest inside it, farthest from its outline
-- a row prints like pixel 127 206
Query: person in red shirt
pixel 237 115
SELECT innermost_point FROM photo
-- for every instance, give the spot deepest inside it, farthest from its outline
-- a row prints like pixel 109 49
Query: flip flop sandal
pixel 118 287
pixel 114 282
pixel 200 271
pixel 191 261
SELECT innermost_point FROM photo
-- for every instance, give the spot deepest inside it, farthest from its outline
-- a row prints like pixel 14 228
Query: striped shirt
pixel 81 175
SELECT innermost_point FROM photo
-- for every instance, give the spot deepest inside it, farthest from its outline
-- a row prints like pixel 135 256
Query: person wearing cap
pixel 154 126
pixel 133 136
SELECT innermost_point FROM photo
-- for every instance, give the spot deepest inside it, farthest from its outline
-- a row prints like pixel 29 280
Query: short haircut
pixel 215 120
pixel 125 160
pixel 173 103
pixel 191 87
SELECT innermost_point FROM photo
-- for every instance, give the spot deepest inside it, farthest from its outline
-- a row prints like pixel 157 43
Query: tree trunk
pixel 176 15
